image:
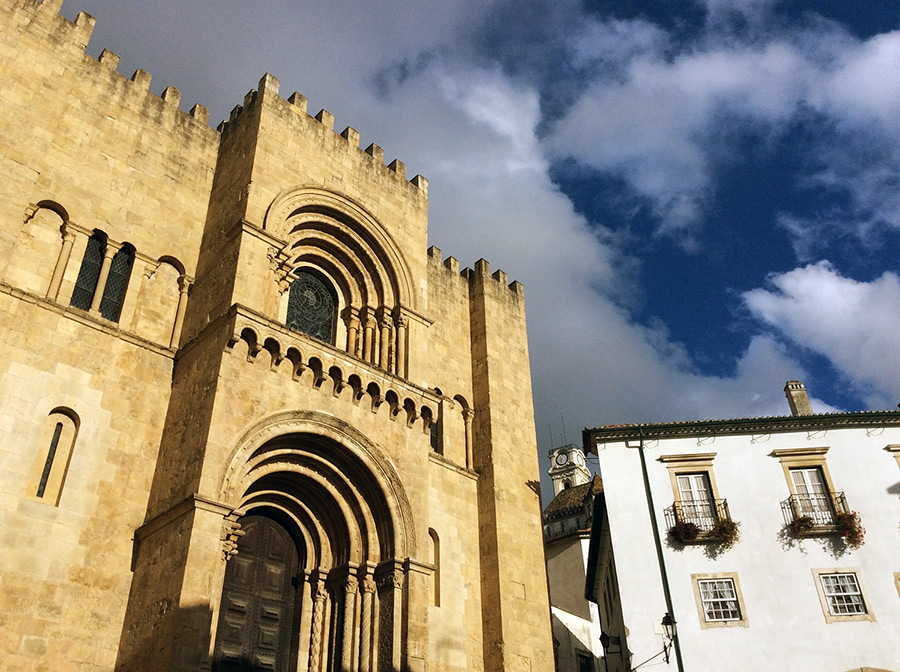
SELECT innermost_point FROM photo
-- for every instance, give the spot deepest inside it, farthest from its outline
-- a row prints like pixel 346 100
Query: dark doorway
pixel 256 615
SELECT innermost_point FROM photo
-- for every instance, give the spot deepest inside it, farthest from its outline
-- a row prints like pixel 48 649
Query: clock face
pixel 561 459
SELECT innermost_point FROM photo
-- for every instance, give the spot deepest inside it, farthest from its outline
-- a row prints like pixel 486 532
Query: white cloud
pixel 854 324
pixel 864 87
pixel 660 121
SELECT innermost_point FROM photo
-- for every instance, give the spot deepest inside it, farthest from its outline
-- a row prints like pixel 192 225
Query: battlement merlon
pixel 76 35
pixel 298 104
pixel 482 270
pixel 78 31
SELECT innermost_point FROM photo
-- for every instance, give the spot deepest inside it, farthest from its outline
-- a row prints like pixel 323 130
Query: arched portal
pixel 331 495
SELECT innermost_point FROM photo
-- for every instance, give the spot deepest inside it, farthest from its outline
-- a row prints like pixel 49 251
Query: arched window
pixel 436 561
pixel 117 283
pixel 54 453
pixel 86 284
pixel 311 307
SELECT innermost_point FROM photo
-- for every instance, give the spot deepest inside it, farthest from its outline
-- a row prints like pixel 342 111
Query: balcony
pixel 815 515
pixel 697 522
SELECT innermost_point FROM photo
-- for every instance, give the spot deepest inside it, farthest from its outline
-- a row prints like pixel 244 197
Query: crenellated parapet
pixel 323 121
pixel 482 268
pixel 75 35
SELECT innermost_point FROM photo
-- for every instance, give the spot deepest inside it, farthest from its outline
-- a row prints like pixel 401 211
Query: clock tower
pixel 567 468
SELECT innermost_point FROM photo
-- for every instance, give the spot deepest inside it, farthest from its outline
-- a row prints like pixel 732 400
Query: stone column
pixel 390 585
pixel 108 254
pixel 61 263
pixel 348 663
pixel 468 414
pixel 317 631
pixel 400 322
pixel 307 606
pixel 184 285
pixel 385 341
pixel 369 323
pixel 351 320
pixel 366 618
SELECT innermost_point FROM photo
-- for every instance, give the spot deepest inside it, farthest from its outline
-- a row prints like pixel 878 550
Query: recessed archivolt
pixel 323 447
pixel 332 495
pixel 308 533
pixel 313 231
pixel 338 217
pixel 348 281
pixel 332 513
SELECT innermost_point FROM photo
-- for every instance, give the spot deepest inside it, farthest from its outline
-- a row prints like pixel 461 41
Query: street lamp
pixel 668 625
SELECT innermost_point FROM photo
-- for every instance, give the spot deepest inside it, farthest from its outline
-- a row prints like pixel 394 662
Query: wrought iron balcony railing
pixel 813 514
pixel 705 515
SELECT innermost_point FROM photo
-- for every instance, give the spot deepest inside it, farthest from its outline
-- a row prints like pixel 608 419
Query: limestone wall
pixel 416 420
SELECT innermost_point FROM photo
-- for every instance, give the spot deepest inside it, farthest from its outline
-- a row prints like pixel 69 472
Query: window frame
pixel 807 458
pixel 742 622
pixel 87 280
pixel 824 598
pixel 690 465
pixel 803 458
pixel 115 289
pixel 50 466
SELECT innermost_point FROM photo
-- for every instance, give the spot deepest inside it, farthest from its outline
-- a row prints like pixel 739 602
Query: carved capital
pixel 231 533
pixel 393 579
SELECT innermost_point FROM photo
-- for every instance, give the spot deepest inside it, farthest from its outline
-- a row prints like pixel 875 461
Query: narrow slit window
pixel 48 463
pixel 52 457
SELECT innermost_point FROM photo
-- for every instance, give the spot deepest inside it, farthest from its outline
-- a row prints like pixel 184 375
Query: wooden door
pixel 256 614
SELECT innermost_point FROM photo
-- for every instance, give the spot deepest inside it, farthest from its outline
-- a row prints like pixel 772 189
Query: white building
pixel 567 529
pixel 796 591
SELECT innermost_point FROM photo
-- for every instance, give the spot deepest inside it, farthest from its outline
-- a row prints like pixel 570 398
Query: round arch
pixel 362 229
pixel 318 449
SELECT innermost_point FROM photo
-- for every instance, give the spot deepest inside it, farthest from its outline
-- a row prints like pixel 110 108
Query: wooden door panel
pixel 257 600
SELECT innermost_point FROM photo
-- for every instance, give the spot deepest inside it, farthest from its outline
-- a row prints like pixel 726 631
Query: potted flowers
pixel 849 526
pixel 684 531
pixel 801 526
pixel 728 532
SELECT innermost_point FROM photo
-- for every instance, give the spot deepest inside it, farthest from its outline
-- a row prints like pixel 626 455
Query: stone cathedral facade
pixel 248 419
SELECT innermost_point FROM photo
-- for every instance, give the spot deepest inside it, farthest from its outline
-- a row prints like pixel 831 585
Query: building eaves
pixel 760 425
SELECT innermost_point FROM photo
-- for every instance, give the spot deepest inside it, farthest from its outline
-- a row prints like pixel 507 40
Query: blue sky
pixel 701 198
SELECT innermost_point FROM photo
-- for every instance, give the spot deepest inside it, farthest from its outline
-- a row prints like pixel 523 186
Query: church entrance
pixel 256 615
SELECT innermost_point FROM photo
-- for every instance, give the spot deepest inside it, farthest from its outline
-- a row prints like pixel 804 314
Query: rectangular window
pixel 813 498
pixel 697 505
pixel 720 601
pixel 843 595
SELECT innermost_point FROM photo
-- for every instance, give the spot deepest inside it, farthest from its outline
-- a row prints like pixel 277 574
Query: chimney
pixel 795 391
